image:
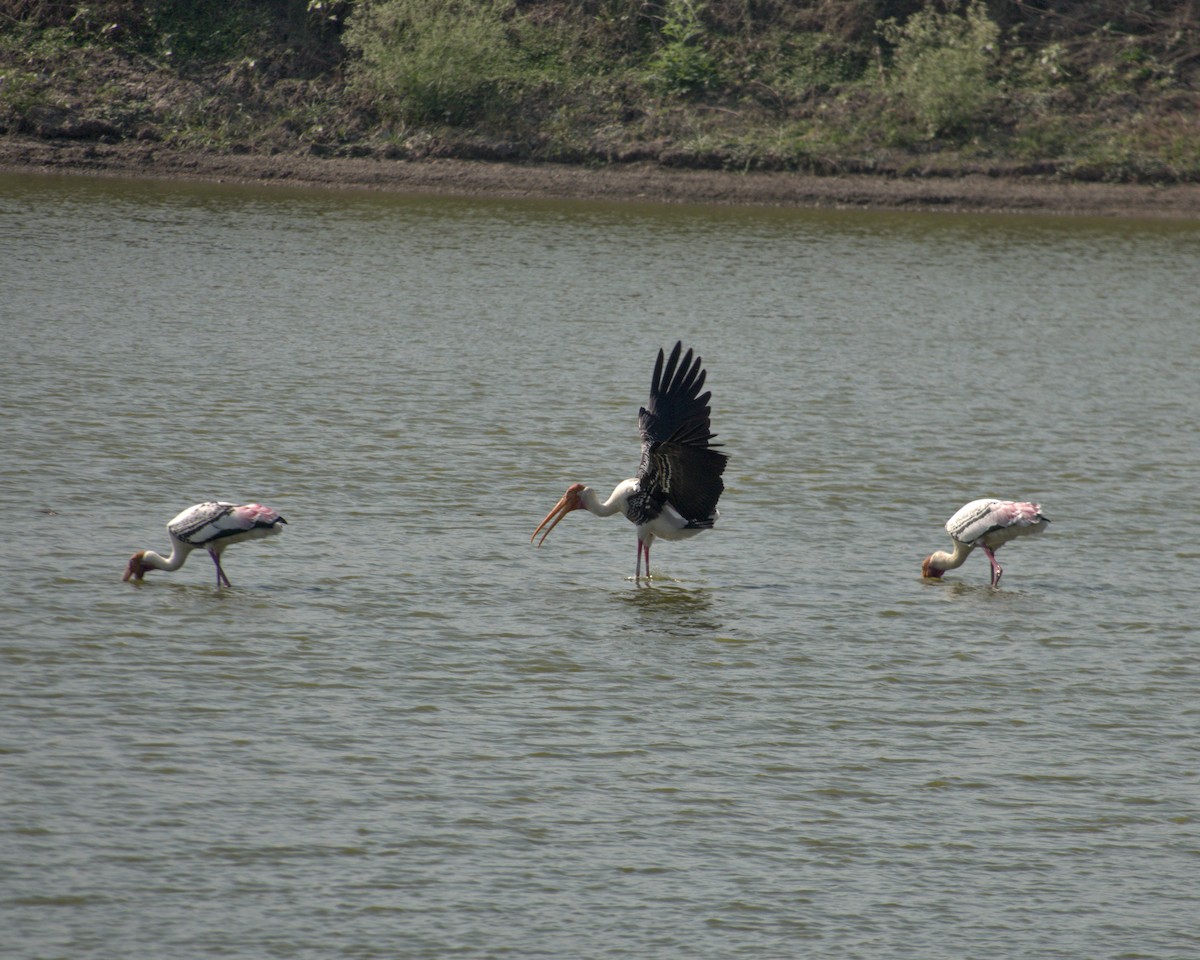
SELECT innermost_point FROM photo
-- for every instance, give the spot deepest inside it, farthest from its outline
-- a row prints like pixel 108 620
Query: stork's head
pixel 136 567
pixel 571 500
pixel 929 571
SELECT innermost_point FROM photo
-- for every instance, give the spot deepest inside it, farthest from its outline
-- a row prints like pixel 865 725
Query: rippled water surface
pixel 405 732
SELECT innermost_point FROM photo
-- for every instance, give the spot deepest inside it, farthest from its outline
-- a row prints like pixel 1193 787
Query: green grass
pixel 1097 89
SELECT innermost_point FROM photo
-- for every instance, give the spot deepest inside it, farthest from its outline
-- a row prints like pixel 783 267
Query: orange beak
pixel 135 568
pixel 570 501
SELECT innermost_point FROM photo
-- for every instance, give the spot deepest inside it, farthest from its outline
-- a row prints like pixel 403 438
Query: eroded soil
pixel 632 182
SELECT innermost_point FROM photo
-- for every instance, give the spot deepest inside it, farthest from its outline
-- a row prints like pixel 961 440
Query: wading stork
pixel 209 526
pixel 989 524
pixel 674 495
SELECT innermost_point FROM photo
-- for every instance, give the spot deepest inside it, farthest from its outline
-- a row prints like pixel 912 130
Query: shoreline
pixel 642 183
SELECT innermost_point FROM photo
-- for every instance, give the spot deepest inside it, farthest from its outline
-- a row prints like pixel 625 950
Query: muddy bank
pixel 980 192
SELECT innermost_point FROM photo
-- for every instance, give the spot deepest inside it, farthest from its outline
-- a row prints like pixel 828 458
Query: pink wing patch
pixel 250 515
pixel 1018 514
pixel 981 517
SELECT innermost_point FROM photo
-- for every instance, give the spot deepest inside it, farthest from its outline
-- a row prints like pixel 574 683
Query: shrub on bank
pixel 1090 89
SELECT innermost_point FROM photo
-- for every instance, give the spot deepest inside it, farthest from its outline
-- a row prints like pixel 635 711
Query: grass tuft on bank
pixel 1103 90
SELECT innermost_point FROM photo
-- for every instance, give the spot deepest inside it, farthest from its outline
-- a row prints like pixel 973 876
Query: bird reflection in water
pixel 673 609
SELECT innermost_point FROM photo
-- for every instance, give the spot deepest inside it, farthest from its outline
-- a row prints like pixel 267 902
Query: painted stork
pixel 212 526
pixel 674 495
pixel 989 524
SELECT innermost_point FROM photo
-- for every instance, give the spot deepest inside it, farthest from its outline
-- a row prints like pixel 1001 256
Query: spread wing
pixel 679 464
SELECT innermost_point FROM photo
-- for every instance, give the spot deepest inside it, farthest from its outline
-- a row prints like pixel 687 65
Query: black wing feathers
pixel 679 463
pixel 688 477
pixel 677 411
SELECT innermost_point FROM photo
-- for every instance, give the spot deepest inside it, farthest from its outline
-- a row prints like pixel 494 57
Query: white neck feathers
pixel 179 553
pixel 616 503
pixel 951 561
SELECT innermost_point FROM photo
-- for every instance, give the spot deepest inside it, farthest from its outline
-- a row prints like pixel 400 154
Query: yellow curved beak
pixel 570 501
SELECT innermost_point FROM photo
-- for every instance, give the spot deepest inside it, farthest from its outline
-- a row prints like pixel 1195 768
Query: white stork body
pixel 211 526
pixel 674 495
pixel 986 523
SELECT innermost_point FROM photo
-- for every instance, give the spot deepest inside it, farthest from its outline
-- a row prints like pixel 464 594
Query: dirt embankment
pixel 636 182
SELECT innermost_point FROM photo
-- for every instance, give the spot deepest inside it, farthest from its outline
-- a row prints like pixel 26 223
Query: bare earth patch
pixel 634 182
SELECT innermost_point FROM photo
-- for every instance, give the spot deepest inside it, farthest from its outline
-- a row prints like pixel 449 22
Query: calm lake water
pixel 405 732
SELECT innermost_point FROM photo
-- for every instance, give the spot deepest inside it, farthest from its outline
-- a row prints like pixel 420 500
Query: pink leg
pixel 220 573
pixel 642 548
pixel 996 570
